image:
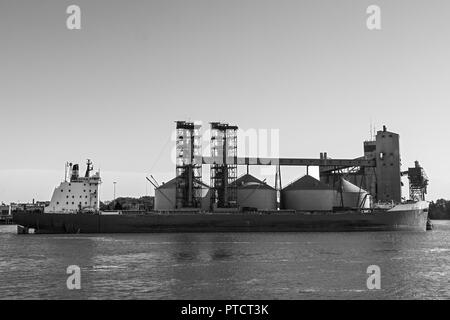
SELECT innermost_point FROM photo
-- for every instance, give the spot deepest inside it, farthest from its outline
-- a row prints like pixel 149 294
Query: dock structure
pixel 6 219
pixel 377 170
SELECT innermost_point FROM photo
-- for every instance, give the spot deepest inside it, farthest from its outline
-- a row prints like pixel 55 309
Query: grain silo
pixel 308 194
pixel 255 194
pixel 165 196
pixel 351 196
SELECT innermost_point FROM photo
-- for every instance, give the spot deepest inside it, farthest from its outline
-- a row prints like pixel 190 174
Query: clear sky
pixel 112 90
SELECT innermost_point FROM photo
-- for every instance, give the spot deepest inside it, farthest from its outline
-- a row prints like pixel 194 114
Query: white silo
pixel 351 196
pixel 165 196
pixel 308 194
pixel 254 193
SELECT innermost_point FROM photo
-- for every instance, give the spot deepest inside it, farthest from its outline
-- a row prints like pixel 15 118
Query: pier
pixel 6 219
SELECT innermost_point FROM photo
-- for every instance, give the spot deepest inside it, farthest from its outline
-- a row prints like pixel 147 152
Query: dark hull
pixel 407 220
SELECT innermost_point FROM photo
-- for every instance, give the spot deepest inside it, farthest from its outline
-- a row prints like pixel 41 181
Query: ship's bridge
pixel 75 193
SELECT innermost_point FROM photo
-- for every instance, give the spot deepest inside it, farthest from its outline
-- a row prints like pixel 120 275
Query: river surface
pixel 413 265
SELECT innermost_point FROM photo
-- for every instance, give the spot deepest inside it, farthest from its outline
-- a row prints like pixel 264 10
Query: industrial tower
pixel 418 182
pixel 224 168
pixel 188 165
pixel 382 180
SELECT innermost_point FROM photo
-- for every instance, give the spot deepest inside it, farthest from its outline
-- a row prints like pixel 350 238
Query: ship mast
pixel 89 168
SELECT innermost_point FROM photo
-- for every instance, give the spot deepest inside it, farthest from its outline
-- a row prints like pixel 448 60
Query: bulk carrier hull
pixel 398 219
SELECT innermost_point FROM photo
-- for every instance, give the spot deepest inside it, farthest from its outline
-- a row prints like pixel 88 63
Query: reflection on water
pixel 227 265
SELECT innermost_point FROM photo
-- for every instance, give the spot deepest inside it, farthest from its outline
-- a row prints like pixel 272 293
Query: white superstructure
pixel 75 193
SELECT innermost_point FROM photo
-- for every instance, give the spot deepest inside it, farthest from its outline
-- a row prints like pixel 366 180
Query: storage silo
pixel 351 196
pixel 255 194
pixel 165 196
pixel 308 194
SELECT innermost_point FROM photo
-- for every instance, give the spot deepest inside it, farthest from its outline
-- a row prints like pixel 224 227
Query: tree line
pixel 129 204
pixel 439 209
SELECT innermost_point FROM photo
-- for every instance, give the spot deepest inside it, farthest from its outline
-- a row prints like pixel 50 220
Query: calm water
pixel 227 266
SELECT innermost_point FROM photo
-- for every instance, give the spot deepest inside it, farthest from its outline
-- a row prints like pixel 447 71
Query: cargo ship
pixel 362 194
pixel 406 217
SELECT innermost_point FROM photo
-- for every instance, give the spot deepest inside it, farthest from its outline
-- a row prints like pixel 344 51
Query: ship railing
pixel 386 205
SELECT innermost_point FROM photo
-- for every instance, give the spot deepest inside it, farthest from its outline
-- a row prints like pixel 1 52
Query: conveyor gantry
pixel 342 163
